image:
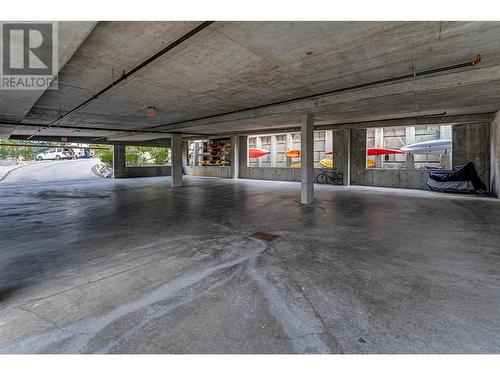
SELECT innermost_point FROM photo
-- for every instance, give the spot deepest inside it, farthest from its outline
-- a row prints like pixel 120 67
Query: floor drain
pixel 264 236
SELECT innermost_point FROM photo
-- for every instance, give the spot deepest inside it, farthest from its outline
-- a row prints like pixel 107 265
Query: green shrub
pixel 107 157
pixel 131 159
pixel 161 156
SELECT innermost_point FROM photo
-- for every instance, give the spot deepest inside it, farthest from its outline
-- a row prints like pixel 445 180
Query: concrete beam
pixel 307 159
pixel 413 121
pixel 311 104
pixel 403 121
pixel 176 160
pixel 6 131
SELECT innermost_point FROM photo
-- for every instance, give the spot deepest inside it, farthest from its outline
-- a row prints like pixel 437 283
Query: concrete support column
pixel 196 153
pixel 445 133
pixel 410 139
pixel 235 157
pixel 307 158
pixel 495 155
pixel 258 144
pixel 176 160
pixel 342 154
pixel 346 158
pixel 185 154
pixel 274 150
pixel 289 146
pixel 470 143
pixel 118 161
pixel 379 143
pixel 328 140
pixel 445 161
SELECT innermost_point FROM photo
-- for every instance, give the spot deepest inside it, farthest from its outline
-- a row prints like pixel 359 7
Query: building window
pixel 413 147
pixel 283 150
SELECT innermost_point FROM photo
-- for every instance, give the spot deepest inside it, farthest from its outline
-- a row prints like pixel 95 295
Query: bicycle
pixel 330 176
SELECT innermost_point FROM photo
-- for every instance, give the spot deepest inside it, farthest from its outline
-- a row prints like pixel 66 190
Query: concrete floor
pixel 130 266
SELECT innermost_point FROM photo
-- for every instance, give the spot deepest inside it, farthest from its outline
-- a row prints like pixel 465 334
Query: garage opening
pixel 283 150
pixel 40 161
pixel 411 147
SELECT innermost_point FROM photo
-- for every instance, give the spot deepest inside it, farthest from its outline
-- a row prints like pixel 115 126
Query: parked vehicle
pixel 83 153
pixel 56 154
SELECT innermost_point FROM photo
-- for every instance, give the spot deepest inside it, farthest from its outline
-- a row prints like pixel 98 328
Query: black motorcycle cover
pixel 461 179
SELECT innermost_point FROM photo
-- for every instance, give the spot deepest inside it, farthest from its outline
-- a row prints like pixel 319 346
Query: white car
pixel 80 153
pixel 56 154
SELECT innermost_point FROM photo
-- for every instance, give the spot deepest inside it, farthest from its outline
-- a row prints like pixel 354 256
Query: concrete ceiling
pixel 16 104
pixel 212 82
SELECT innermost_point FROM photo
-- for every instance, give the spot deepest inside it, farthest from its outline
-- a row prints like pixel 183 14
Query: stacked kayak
pixel 254 153
pixel 371 151
pixel 292 154
pixel 434 147
pixel 327 162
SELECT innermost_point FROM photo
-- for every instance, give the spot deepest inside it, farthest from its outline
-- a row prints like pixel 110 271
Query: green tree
pixel 160 155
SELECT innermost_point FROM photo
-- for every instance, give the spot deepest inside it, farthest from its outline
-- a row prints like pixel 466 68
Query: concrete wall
pixel 495 155
pixel 471 142
pixel 399 178
pixel 121 171
pixel 274 174
pixel 153 171
pixel 208 171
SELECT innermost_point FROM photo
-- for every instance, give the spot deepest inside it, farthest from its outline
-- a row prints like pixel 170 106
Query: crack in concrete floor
pixel 78 335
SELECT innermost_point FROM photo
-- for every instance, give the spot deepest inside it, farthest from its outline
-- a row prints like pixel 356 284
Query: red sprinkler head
pixel 150 112
pixel 476 60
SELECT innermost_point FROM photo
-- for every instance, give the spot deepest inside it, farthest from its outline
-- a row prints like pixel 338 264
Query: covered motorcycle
pixel 461 179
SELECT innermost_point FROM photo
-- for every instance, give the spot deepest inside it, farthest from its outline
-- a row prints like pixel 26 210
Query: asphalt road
pixel 53 171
